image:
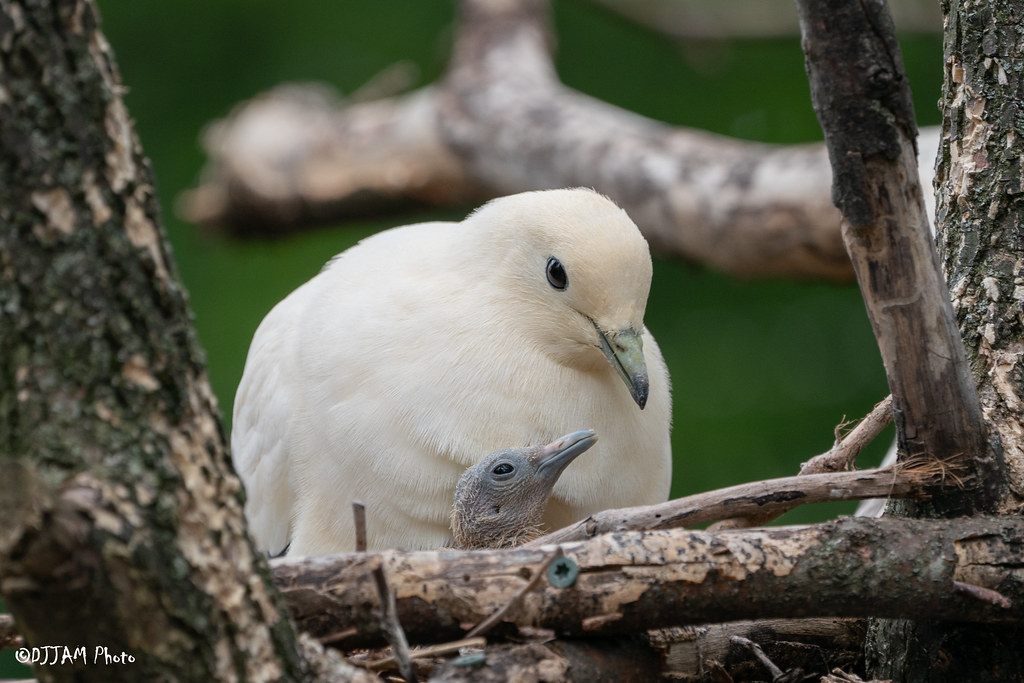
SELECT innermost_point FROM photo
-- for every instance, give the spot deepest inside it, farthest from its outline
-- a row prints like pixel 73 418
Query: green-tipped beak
pixel 557 455
pixel 625 351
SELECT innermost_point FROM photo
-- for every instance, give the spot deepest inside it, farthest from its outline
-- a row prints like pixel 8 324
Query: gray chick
pixel 500 501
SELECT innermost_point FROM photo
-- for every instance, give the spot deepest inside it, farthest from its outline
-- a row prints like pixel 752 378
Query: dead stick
pixel 772 496
pixel 359 517
pixel 767 663
pixel 338 636
pixel 392 628
pixel 980 592
pixel 430 651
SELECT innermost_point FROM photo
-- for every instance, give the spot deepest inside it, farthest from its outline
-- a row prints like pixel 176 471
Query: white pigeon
pixel 420 350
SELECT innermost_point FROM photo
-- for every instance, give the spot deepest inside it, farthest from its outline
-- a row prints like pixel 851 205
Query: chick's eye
pixel 556 274
pixel 503 468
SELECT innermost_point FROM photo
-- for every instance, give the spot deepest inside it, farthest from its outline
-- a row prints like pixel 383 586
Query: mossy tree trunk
pixel 122 519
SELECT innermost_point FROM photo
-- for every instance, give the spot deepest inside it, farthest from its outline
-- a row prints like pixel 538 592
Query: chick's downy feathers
pixel 499 502
pixel 416 352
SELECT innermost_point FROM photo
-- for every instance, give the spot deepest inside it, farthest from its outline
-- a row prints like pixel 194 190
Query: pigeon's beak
pixel 625 351
pixel 557 455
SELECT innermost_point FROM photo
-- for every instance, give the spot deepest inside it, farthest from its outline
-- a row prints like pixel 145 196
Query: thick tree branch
pixel 978 204
pixel 739 206
pixel 500 122
pixel 298 155
pixel 634 581
pixel 860 94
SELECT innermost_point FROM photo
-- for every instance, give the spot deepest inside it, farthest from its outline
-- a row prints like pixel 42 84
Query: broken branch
pixel 839 457
pixel 846 450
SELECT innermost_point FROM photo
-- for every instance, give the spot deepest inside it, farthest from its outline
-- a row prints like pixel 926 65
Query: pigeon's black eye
pixel 503 468
pixel 556 274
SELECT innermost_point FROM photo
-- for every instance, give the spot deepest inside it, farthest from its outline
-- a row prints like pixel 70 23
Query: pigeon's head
pixel 499 501
pixel 583 271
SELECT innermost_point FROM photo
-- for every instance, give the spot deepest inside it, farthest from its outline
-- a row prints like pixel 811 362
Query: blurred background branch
pixel 501 122
pixel 720 19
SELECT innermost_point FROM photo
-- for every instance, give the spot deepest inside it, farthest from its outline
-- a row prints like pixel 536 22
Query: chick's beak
pixel 557 455
pixel 624 349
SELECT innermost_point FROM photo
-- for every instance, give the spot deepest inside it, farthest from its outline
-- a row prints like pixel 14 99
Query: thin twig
pixel 438 650
pixel 775 671
pixel 838 458
pixel 841 456
pixel 392 628
pixel 338 636
pixel 981 593
pixel 488 623
pixel 747 500
pixel 359 517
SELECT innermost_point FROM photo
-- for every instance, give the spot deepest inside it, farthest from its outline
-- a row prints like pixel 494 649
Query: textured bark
pixel 978 217
pixel 123 524
pixel 859 92
pixel 862 100
pixel 980 186
pixel 634 581
pixel 500 122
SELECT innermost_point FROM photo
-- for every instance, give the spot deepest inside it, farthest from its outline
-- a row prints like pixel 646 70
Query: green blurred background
pixel 762 370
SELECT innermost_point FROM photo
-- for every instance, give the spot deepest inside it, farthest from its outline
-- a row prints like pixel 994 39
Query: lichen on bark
pixel 979 201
